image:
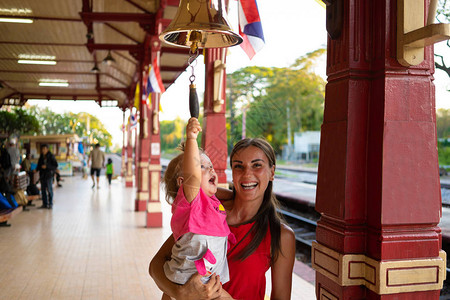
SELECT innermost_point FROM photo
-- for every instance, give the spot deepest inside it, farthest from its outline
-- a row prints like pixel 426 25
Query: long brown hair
pixel 267 214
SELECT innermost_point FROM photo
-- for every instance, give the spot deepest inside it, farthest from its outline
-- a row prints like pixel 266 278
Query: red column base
pixel 128 183
pixel 154 219
pixel 140 205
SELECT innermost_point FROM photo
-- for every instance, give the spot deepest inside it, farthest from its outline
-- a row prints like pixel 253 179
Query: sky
pixel 289 34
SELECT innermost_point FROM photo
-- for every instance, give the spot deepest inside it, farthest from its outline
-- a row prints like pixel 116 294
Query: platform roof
pixel 78 34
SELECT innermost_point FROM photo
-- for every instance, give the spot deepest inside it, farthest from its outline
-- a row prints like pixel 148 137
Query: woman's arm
pixel 193 289
pixel 283 266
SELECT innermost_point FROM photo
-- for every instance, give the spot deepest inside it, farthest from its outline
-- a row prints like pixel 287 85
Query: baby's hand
pixel 193 128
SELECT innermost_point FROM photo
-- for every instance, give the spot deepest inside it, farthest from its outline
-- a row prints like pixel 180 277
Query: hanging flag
pixel 144 88
pixel 154 81
pixel 136 96
pixel 250 27
pixel 133 121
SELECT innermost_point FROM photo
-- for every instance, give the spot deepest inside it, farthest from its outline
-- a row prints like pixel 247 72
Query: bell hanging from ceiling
pixel 200 24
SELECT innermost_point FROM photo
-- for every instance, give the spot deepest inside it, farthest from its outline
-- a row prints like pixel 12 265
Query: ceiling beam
pixel 117 47
pixel 122 32
pixel 96 17
pixel 57 60
pixel 173 50
pixel 124 90
pixel 41 44
pixel 41 18
pixel 138 6
pixel 173 69
pixel 71 95
pixel 47 72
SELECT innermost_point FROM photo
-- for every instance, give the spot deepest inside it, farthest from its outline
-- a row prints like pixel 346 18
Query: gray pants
pixel 191 247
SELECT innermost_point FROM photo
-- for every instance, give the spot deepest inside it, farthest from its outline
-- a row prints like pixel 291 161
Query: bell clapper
pixel 193 98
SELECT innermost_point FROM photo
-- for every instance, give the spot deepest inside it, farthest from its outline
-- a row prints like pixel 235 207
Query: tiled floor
pixel 92 245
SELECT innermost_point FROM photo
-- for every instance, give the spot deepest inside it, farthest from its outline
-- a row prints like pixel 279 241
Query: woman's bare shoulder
pixel 287 233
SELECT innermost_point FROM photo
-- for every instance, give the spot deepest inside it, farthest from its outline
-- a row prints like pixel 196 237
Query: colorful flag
pixel 145 93
pixel 133 121
pixel 136 96
pixel 250 27
pixel 154 81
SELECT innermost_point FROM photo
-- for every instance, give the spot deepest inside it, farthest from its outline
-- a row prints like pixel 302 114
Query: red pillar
pixel 123 168
pixel 129 173
pixel 143 163
pixel 214 135
pixel 136 152
pixel 154 212
pixel 142 143
pixel 378 188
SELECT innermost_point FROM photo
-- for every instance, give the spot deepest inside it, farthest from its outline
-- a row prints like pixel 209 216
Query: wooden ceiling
pixel 79 34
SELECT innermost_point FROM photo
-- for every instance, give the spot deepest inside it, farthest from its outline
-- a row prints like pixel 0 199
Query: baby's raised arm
pixel 191 161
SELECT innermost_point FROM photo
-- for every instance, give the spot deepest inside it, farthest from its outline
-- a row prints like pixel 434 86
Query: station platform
pixel 91 245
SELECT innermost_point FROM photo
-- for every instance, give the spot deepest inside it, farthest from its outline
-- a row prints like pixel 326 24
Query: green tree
pixel 172 133
pixel 275 97
pixel 18 122
pixel 443 16
pixel 82 124
pixel 443 123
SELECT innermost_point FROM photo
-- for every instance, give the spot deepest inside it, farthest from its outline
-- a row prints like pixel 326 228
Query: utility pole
pixel 288 120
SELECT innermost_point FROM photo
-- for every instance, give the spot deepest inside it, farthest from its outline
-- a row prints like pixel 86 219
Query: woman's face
pixel 251 173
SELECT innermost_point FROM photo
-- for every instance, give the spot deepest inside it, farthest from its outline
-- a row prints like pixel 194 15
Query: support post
pixel 129 174
pixel 144 144
pixel 378 188
pixel 154 211
pixel 123 169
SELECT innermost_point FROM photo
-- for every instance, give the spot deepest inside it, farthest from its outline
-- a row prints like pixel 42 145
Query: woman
pixel 263 242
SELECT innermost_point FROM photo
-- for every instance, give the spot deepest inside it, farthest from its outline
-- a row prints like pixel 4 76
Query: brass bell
pixel 200 24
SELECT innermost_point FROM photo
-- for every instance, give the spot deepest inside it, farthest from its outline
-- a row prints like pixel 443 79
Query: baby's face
pixel 209 176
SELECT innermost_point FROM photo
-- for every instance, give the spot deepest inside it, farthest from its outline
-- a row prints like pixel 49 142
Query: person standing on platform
pixel 109 170
pixel 97 162
pixel 46 167
pixel 14 156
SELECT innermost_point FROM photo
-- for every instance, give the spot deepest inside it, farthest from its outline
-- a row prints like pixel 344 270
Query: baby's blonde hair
pixel 172 173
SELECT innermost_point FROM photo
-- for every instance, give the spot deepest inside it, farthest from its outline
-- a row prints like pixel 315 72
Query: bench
pixel 6 214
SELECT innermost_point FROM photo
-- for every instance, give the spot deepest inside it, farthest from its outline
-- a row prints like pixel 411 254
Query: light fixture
pixel 16 20
pixel 54 82
pixel 36 62
pixel 36 59
pixel 109 59
pixel 95 69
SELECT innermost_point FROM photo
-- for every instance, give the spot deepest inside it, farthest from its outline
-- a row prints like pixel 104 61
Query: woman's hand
pixel 194 289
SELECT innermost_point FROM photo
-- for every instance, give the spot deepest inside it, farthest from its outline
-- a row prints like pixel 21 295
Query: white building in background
pixel 306 145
